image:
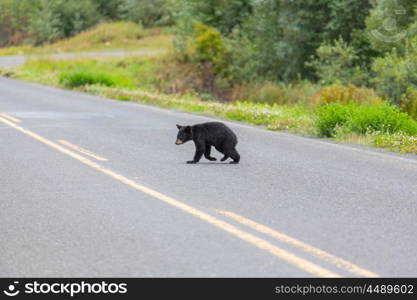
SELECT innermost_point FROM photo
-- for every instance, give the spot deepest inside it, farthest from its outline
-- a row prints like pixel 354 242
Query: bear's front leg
pixel 207 154
pixel 200 148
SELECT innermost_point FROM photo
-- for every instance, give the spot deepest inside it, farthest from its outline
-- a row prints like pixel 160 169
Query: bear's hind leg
pixel 235 156
pixel 221 150
pixel 224 158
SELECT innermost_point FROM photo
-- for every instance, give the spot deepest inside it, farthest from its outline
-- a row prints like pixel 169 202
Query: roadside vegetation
pixel 245 60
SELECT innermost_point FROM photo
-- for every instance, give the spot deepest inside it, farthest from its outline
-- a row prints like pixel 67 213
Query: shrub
pixel 330 117
pixel 345 94
pixel 363 119
pixel 204 53
pixel 383 118
pixel 408 102
pixel 206 45
pixel 78 79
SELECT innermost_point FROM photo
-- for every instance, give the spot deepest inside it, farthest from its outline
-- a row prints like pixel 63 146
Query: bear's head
pixel 184 134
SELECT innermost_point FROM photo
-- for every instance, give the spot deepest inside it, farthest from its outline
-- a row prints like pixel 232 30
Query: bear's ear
pixel 187 129
pixel 179 126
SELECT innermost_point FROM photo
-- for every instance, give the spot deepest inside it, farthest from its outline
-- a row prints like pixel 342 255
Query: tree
pixel 224 15
pixel 286 34
pixel 389 23
pixel 346 17
pixel 14 21
pixel 335 62
pixel 147 12
pixel 110 9
pixel 57 19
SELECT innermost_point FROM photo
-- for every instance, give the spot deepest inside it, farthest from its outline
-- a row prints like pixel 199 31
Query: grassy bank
pixel 105 36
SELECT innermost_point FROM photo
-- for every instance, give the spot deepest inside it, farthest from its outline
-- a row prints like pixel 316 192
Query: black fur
pixel 209 134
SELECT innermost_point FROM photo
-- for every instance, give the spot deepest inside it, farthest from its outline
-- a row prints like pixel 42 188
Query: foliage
pixel 110 9
pixel 396 73
pixel 390 23
pixel 146 12
pixel 78 79
pixel 364 51
pixel 14 21
pixel 45 21
pixel 206 50
pixel 346 18
pixel 265 34
pixel 53 20
pixel 287 34
pixel 363 119
pixel 206 45
pixel 337 93
pixel 335 63
pixel 225 15
pixel 408 102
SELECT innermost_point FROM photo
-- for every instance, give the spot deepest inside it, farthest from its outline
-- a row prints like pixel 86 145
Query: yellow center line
pixel 82 150
pixel 11 118
pixel 321 254
pixel 282 254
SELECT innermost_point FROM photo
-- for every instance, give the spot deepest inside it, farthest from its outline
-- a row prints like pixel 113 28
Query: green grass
pixel 105 36
pixel 127 72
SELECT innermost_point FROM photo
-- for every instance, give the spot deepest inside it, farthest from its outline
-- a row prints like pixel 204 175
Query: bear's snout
pixel 178 142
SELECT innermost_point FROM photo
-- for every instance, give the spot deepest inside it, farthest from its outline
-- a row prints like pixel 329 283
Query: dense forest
pixel 234 44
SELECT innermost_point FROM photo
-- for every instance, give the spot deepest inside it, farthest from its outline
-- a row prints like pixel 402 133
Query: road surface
pixel 96 187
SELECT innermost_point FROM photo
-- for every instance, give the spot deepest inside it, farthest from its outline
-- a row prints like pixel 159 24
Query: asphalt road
pixel 133 207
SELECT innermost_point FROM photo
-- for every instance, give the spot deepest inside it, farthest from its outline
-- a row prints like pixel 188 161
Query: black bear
pixel 206 135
